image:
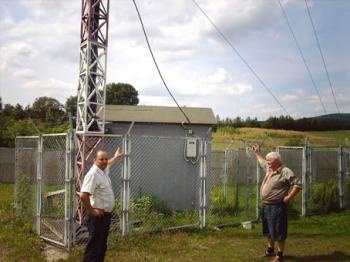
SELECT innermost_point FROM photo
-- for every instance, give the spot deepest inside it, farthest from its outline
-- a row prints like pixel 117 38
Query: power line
pixel 241 57
pixel 302 55
pixel 155 62
pixel 321 53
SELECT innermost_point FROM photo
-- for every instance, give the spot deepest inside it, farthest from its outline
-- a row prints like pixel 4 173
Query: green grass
pixel 18 242
pixel 317 238
pixel 321 238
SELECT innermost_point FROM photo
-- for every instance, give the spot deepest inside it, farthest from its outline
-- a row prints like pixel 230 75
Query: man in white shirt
pixel 97 197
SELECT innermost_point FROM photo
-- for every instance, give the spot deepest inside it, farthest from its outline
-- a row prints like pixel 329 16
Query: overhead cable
pixel 155 62
pixel 241 57
pixel 321 53
pixel 302 55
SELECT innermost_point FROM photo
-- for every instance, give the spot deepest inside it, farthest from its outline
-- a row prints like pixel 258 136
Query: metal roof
pixel 159 114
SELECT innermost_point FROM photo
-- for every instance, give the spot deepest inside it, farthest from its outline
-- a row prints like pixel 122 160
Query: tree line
pixel 288 123
pixel 48 115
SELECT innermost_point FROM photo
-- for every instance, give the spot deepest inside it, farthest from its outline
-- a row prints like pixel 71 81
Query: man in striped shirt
pixel 279 187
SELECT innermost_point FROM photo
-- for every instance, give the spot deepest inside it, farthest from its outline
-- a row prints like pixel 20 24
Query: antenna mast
pixel 91 90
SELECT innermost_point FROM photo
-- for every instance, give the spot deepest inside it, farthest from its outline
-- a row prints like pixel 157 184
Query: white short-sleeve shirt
pixel 98 184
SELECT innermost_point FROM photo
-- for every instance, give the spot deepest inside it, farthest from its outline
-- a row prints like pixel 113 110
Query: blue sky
pixel 39 53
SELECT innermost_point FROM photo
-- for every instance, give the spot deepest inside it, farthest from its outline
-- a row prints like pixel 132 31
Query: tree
pixel 121 94
pixel 71 105
pixel 13 128
pixel 49 110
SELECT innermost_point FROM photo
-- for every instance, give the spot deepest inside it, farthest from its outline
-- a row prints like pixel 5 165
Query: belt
pixel 274 204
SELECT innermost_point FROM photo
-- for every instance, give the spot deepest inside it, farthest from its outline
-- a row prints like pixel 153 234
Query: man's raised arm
pixel 256 150
pixel 116 156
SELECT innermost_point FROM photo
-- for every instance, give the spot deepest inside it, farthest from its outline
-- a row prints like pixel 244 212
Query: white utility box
pixel 191 147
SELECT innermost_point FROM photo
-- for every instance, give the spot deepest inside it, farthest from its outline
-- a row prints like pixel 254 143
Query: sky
pixel 39 53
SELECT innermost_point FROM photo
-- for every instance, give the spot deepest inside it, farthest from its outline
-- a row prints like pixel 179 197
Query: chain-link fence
pixel 164 182
pixel 346 164
pixel 54 185
pixel 235 178
pixel 86 147
pixel 26 166
pixel 294 158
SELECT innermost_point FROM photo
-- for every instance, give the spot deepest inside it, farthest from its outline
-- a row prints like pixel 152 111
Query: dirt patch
pixel 52 253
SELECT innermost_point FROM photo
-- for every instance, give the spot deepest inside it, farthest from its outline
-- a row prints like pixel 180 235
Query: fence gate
pixel 296 158
pixel 54 188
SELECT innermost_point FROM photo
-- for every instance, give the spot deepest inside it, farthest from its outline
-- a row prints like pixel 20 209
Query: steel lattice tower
pixel 91 90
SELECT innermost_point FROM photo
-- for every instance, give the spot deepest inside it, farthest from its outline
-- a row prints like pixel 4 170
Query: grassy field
pixel 18 242
pixel 271 138
pixel 317 238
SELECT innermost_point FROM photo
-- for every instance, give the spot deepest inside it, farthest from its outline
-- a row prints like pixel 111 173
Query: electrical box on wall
pixel 191 147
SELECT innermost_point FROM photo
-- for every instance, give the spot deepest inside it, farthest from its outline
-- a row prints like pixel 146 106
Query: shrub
pixel 149 203
pixel 220 206
pixel 295 141
pixel 325 197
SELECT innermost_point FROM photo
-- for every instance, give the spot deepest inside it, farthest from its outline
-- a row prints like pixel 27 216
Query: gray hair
pixel 274 155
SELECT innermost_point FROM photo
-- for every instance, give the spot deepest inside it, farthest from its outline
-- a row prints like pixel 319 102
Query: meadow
pixel 271 138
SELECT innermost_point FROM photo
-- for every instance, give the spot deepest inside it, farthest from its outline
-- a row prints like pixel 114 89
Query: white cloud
pixel 40 38
pixel 24 73
pixel 49 84
pixel 156 100
pixel 290 98
pixel 15 54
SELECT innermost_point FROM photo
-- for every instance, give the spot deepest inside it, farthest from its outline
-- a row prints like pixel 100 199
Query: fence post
pixel 16 173
pixel 341 177
pixel 69 172
pixel 309 169
pixel 202 196
pixel 247 178
pixel 347 177
pixel 257 209
pixel 126 186
pixel 39 184
pixel 225 175
pixel 304 180
pixel 236 205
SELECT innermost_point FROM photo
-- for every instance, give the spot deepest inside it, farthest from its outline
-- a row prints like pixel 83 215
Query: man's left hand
pixel 118 153
pixel 286 200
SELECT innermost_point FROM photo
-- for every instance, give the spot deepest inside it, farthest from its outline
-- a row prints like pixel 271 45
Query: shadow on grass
pixel 335 256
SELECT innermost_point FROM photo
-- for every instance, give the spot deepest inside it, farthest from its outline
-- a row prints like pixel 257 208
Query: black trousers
pixel 98 234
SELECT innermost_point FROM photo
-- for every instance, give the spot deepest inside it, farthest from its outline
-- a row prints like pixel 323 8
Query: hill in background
pixel 328 122
pixel 344 117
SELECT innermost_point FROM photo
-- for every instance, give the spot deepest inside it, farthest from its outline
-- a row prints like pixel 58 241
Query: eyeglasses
pixel 103 159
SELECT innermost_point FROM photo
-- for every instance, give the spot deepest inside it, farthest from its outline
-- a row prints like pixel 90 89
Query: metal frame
pixel 92 87
pixel 202 189
pixel 126 186
pixel 258 184
pixel 68 207
pixel 39 184
pixel 305 176
pixel 93 65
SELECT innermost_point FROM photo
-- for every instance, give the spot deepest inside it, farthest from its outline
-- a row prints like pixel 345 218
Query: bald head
pixel 100 151
pixel 101 159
